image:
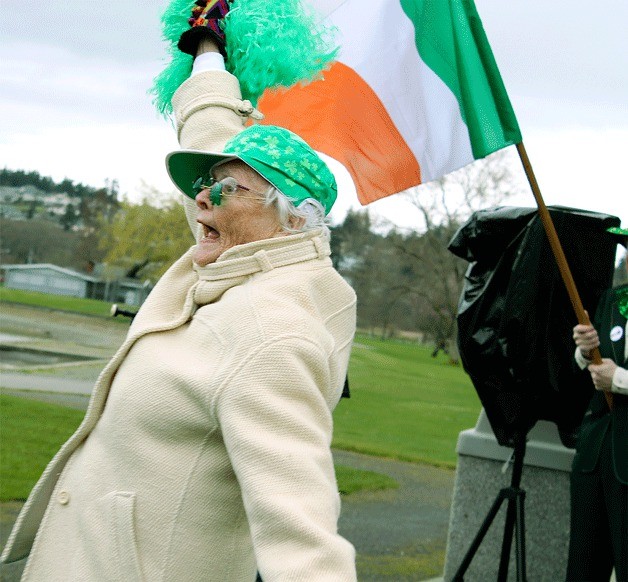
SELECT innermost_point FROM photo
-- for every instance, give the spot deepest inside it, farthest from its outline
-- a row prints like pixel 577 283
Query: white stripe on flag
pixel 377 41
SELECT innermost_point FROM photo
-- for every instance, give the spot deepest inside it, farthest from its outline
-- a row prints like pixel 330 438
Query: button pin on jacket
pixel 616 333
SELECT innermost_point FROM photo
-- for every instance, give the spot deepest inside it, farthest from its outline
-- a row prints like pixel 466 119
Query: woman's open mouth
pixel 209 233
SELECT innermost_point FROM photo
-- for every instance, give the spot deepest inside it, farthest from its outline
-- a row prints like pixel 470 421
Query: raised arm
pixel 209 110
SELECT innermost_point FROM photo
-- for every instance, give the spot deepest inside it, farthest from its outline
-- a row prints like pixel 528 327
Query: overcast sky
pixel 74 77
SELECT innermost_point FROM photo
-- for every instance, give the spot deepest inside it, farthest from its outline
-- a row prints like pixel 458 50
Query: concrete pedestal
pixel 481 472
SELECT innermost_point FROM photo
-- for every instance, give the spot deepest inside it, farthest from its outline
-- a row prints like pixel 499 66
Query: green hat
pixel 621 233
pixel 618 231
pixel 278 155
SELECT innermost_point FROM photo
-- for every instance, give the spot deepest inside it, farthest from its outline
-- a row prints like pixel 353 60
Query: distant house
pixel 47 278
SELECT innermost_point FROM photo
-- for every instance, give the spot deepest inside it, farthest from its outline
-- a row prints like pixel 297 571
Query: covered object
pixel 515 318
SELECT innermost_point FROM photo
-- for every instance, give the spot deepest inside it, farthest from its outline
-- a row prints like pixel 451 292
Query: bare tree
pixel 444 206
pixel 482 184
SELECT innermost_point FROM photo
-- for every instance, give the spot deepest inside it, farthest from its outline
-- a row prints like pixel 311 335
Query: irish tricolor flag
pixel 414 95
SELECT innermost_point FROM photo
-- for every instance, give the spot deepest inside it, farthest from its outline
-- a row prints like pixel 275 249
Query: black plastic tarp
pixel 515 318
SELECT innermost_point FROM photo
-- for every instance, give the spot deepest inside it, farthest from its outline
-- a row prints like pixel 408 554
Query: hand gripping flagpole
pixel 559 254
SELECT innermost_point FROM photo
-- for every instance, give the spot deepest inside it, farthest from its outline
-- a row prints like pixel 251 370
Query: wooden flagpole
pixel 559 254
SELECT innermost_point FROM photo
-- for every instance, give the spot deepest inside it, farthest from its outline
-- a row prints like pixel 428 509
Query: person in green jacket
pixel 599 477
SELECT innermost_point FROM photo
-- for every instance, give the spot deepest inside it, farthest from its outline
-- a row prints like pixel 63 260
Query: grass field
pixel 404 404
pixel 33 431
pixel 30 431
pixel 61 302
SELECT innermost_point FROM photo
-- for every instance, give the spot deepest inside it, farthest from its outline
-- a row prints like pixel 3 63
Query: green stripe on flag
pixel 451 41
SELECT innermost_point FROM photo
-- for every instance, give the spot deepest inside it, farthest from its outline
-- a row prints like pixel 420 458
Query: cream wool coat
pixel 204 453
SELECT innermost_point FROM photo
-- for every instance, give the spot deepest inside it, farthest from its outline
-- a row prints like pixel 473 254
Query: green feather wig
pixel 268 44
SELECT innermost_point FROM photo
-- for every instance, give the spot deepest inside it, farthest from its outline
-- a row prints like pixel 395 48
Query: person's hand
pixel 602 374
pixel 205 23
pixel 586 339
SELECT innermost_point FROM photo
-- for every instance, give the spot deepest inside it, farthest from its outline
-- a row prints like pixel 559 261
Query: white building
pixel 47 278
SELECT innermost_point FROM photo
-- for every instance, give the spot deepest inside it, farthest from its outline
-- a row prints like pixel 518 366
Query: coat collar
pixel 186 286
pixel 265 255
pixel 241 262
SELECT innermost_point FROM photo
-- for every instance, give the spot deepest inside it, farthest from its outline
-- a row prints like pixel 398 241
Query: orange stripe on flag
pixel 342 117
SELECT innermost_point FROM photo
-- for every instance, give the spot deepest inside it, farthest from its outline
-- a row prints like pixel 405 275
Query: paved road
pixel 56 384
pixel 82 331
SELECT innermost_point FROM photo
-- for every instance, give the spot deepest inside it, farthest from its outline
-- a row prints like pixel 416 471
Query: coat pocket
pixel 122 531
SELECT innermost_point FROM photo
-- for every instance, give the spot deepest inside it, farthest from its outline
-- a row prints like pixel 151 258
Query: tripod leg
pixel 514 516
pixel 486 524
pixel 504 560
pixel 520 537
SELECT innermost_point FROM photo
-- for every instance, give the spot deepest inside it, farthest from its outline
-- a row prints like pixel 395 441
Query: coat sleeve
pixel 277 429
pixel 208 111
pixel 620 381
pixel 619 384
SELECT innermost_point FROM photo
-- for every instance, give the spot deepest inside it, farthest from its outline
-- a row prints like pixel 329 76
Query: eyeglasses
pixel 226 187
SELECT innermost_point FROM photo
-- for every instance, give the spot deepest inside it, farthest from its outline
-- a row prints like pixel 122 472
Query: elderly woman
pixel 205 450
